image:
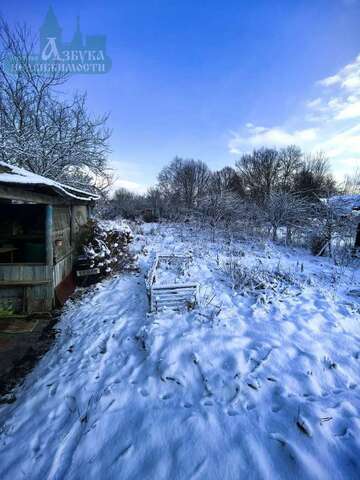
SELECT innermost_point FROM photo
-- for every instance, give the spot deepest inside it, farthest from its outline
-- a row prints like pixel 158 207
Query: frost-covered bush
pixel 150 216
pixel 106 245
pixel 255 279
pixel 318 243
pixel 208 309
pixel 342 255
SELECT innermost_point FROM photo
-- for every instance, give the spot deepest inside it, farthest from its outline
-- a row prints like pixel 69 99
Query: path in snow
pixel 75 384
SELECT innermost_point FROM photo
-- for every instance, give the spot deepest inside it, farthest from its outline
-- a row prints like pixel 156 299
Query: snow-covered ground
pixel 260 381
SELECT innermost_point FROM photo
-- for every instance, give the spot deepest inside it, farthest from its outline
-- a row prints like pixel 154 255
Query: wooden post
pixel 357 240
pixel 48 235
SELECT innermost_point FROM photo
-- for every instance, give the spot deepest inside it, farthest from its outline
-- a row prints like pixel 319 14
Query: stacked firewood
pixel 106 246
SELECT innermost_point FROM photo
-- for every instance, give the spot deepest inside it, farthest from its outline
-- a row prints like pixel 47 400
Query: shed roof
pixel 10 174
pixel 345 203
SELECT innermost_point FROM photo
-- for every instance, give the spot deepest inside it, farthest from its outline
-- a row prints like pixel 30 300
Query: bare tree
pixel 40 130
pixel 184 181
pixel 126 204
pixel 218 209
pixel 291 162
pixel 266 171
pixel 223 180
pixel 352 182
pixel 314 178
pixel 331 223
pixel 284 209
pixel 260 172
pixel 154 199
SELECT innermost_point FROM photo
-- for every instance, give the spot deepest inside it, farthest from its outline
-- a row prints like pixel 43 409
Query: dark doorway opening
pixel 22 233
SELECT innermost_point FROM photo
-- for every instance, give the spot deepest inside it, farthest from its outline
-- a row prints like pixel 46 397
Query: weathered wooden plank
pixel 172 293
pixel 48 235
pixel 174 286
pixel 24 272
pixel 62 269
pixel 22 194
pixel 19 283
pixel 171 304
pixel 175 295
pixel 172 299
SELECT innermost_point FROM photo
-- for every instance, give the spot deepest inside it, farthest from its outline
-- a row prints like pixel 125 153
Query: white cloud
pixel 129 185
pixel 339 107
pixel 344 143
pixel 329 81
pixel 347 78
pixel 349 110
pixel 340 100
pixel 126 174
pixel 316 103
pixel 331 123
pixel 254 137
pixel 352 82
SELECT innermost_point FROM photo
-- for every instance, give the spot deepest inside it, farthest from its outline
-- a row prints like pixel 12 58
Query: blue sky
pixel 210 79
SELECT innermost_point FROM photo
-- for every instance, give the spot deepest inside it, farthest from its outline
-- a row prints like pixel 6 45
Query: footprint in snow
pixel 53 389
pixel 167 396
pixel 233 413
pixel 337 391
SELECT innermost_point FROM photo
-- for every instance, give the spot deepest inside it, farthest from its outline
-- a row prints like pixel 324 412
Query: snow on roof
pixel 12 174
pixel 345 203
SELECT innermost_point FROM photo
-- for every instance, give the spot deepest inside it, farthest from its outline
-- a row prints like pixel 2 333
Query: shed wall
pixel 26 288
pixel 29 288
pixel 67 221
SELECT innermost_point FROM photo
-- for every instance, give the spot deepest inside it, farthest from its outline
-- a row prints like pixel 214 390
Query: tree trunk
pixel 288 236
pixel 274 235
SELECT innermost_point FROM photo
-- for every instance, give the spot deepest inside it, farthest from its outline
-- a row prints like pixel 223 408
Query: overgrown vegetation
pixel 284 194
pixel 257 279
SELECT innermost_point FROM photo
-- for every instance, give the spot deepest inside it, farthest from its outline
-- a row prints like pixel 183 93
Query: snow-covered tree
pixel 41 130
pixel 184 181
pixel 332 223
pixel 284 209
pixel 218 209
pixel 352 182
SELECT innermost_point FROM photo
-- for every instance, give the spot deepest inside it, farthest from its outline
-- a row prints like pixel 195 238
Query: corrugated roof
pixel 11 174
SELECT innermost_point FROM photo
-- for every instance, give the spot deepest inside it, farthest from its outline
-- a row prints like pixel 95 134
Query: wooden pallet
pixel 174 297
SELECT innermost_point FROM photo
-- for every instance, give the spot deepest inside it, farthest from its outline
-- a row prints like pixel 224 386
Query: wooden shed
pixel 40 221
